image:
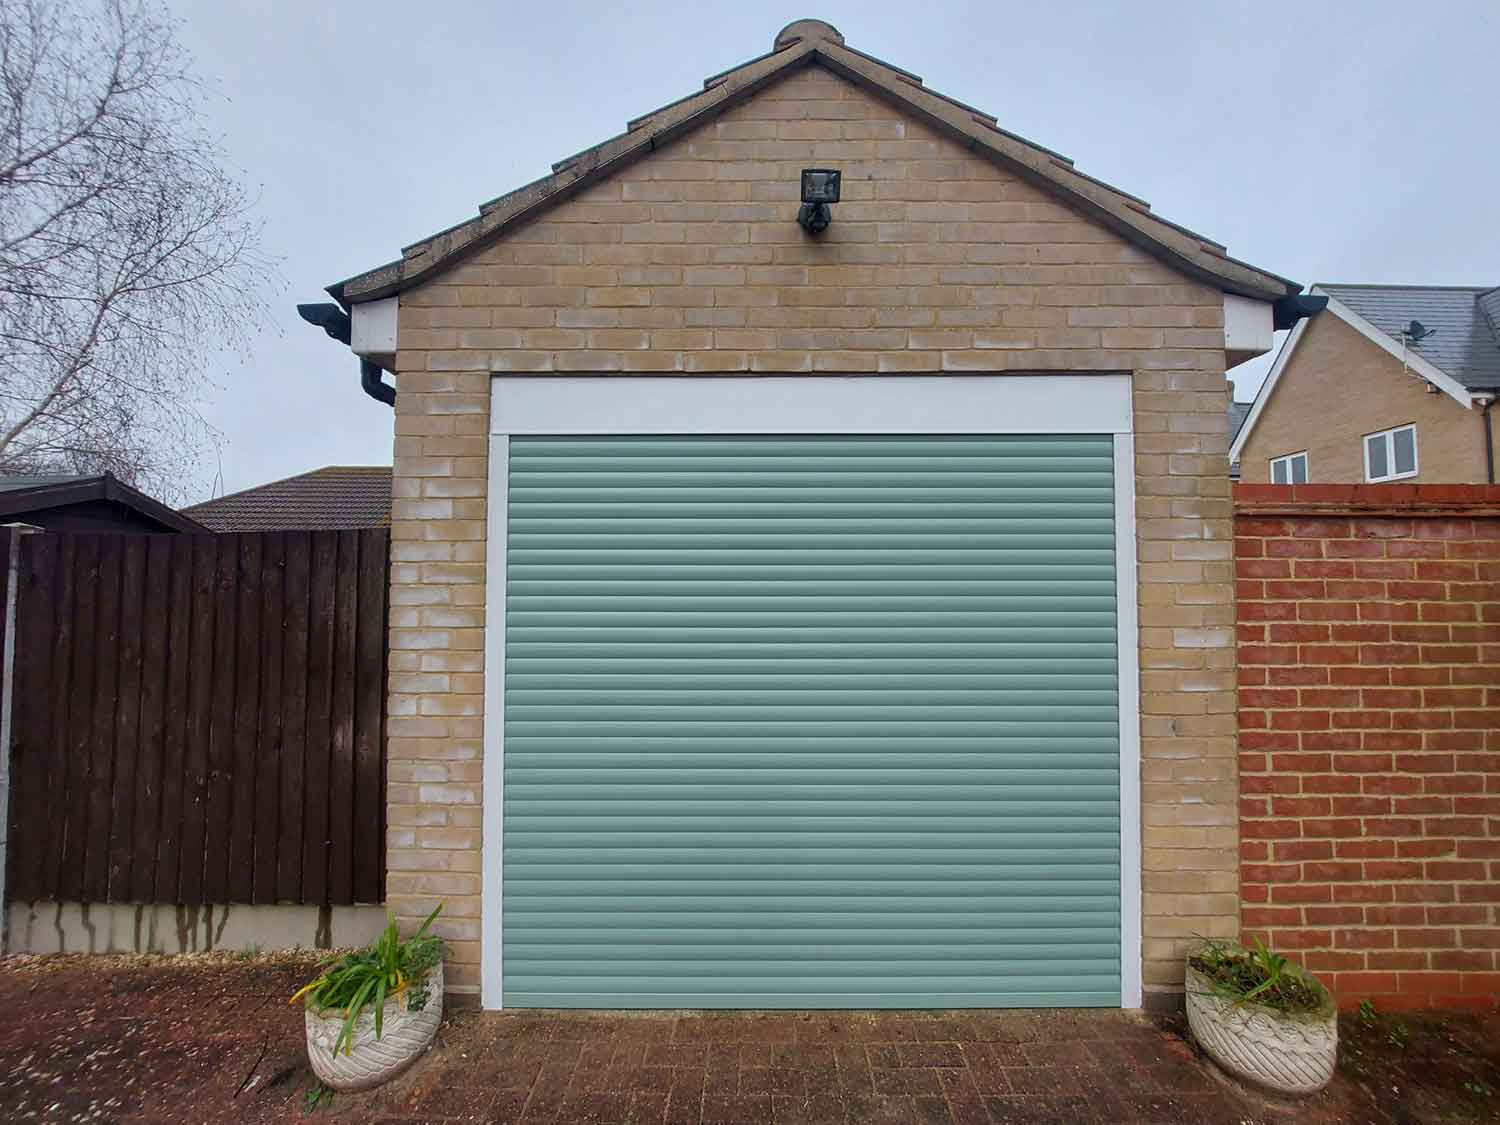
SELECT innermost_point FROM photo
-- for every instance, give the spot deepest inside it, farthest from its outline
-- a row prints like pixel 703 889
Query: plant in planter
pixel 1261 1017
pixel 373 1011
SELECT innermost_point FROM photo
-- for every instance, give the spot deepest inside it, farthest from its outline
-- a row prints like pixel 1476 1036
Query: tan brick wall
pixel 691 261
pixel 1339 386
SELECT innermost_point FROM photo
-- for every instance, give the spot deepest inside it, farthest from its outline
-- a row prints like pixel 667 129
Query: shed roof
pixel 333 498
pixel 24 493
pixel 815 43
pixel 1466 320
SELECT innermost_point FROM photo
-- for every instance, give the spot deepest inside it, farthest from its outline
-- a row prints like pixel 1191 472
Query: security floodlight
pixel 820 187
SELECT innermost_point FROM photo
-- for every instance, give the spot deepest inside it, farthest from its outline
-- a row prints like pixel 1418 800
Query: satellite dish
pixel 1416 331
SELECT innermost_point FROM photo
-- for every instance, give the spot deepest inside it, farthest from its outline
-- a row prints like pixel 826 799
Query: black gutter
pixel 335 322
pixel 1294 307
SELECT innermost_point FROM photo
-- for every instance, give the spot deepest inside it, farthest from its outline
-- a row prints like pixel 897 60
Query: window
pixel 1391 454
pixel 1291 469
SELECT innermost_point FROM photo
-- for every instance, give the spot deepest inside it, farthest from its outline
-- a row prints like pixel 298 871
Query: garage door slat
pixel 811 722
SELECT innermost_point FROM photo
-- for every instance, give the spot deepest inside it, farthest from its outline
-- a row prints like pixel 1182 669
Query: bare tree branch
pixel 128 258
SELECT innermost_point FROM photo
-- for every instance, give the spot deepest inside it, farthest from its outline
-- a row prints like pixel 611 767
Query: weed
pixel 316 1097
pixel 1257 975
pixel 1367 1013
pixel 1399 1036
pixel 1478 1087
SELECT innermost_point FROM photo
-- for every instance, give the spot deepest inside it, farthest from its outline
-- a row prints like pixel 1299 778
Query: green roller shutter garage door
pixel 823 722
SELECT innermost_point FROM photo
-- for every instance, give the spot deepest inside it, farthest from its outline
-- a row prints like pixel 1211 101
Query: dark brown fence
pixel 199 718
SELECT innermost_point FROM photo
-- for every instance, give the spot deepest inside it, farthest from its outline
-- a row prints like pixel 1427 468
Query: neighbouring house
pixel 333 498
pixel 86 503
pixel 1389 383
pixel 809 594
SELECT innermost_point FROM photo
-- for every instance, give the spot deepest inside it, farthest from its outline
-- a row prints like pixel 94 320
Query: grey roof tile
pixel 1466 343
pixel 1238 412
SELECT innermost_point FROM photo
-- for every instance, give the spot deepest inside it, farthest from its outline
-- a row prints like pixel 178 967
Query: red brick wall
pixel 1369 665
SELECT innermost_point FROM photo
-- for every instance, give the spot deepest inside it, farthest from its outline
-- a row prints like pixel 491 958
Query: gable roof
pixel 809 43
pixel 1384 300
pixel 1465 343
pixel 21 494
pixel 333 498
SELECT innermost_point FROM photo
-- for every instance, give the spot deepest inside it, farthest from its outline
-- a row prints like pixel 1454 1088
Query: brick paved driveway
pixel 210 1038
pixel 967 1068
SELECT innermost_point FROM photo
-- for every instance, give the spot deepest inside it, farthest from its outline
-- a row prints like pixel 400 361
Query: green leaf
pixel 423 928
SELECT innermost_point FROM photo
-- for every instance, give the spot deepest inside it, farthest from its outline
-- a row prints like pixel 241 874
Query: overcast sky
pixel 1355 141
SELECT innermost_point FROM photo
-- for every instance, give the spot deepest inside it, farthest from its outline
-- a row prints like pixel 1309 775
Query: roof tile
pixel 333 498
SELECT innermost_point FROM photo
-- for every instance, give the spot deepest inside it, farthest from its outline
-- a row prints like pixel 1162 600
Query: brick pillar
pixel 435 727
pixel 1188 767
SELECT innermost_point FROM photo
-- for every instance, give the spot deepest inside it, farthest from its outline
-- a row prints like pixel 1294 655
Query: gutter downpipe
pixel 335 322
pixel 1489 437
pixel 370 375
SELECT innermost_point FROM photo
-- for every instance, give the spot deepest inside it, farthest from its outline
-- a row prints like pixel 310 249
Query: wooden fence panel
pixel 341 720
pixel 199 719
pixel 201 675
pixel 125 760
pixel 293 810
pixel 30 726
pixel 318 766
pixel 369 720
pixel 268 745
pixel 57 568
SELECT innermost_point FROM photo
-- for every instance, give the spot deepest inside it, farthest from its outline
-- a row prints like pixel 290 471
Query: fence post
pixel 10 556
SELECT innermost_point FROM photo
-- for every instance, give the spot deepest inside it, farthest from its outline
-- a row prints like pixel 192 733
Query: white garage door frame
pixel 623 405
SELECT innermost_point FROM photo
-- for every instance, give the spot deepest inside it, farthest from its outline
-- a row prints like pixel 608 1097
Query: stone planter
pixel 1288 1054
pixel 405 1034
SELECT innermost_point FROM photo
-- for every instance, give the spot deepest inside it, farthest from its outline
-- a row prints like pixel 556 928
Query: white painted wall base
pixel 81 927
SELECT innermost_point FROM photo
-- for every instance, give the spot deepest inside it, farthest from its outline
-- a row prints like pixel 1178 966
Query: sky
pixel 1339 141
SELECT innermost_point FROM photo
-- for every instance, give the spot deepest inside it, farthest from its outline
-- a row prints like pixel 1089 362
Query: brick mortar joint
pixel 1256 508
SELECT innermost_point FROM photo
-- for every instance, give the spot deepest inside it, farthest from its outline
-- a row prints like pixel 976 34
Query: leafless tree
pixel 128 258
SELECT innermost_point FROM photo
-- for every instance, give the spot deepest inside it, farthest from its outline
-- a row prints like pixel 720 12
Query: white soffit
pixel 1248 330
pixel 372 327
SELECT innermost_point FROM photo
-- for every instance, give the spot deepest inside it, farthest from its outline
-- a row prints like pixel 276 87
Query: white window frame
pixel 561 405
pixel 1390 453
pixel 1288 458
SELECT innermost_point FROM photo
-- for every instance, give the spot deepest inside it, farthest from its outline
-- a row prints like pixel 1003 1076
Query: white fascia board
pixel 811 404
pixel 1248 328
pixel 1414 360
pixel 1267 386
pixel 372 328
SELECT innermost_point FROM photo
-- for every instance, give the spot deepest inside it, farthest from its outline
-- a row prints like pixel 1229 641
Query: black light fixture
pixel 820 187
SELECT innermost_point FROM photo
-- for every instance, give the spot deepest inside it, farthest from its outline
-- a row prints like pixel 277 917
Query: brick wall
pixel 1369 670
pixel 691 261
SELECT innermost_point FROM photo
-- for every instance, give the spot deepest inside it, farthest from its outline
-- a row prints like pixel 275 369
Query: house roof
pixel 333 498
pixel 1466 320
pixel 24 493
pixel 1238 412
pixel 815 43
